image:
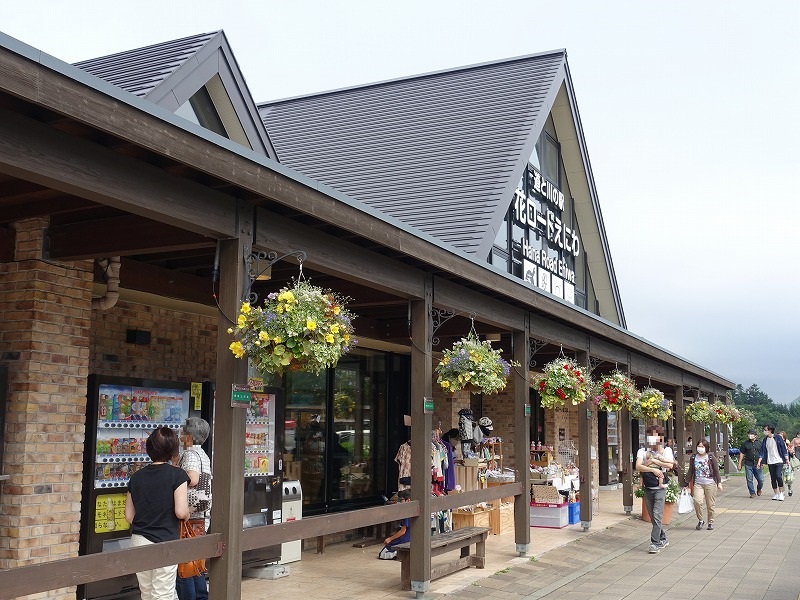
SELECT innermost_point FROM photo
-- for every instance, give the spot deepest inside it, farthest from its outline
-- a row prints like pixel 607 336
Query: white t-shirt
pixel 773 458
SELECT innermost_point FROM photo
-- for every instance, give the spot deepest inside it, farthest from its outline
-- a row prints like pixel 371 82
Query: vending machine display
pixel 121 414
pixel 263 456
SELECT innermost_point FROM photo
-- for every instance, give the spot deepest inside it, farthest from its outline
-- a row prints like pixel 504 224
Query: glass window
pixel 550 166
pixel 306 406
pixel 200 109
pixel 501 239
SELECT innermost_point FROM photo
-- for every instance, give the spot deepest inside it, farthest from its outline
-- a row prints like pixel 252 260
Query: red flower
pixel 606 384
pixel 542 385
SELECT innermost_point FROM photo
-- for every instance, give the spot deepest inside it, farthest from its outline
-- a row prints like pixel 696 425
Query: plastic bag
pixel 788 474
pixel 685 502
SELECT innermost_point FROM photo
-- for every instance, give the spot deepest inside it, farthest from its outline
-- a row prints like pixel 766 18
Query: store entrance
pixel 335 440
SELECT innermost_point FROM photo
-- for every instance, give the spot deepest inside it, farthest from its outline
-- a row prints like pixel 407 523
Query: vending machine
pixel 121 414
pixel 263 466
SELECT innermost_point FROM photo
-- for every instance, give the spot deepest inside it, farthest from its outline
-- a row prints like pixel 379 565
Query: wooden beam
pixel 225 573
pixel 136 275
pixel 27 580
pixel 335 256
pixel 35 152
pixel 522 437
pixel 123 235
pixel 421 388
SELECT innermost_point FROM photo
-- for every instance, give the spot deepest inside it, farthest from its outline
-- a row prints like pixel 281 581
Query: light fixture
pixel 493 337
pixel 265 275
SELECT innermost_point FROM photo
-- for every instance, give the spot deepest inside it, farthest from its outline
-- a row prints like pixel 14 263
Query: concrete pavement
pixel 751 554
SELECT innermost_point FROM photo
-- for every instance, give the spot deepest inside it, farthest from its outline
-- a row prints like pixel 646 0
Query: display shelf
pixel 138 424
pixel 122 458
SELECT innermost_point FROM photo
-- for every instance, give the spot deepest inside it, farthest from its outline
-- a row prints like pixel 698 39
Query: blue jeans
pixel 654 500
pixel 749 472
pixel 192 588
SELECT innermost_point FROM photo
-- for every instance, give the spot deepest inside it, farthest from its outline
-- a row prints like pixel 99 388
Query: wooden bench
pixel 445 542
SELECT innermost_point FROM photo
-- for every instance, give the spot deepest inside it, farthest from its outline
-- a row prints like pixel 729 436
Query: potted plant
pixel 699 412
pixel 670 498
pixel 614 391
pixel 473 365
pixel 651 404
pixel 299 328
pixel 725 413
pixel 562 381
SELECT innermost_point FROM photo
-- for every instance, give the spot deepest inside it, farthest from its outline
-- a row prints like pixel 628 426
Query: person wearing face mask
pixel 774 453
pixel 703 481
pixel 749 453
pixel 653 474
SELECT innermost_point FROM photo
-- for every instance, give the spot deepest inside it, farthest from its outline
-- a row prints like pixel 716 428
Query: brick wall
pixel 182 345
pixel 44 341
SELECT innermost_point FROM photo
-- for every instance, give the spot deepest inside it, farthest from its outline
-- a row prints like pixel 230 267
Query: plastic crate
pixel 549 515
pixel 574 513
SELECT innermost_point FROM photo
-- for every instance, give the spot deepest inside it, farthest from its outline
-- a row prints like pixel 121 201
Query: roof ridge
pixel 208 35
pixel 445 71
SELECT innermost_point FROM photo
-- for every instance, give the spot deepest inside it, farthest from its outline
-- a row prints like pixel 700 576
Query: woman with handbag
pixel 192 585
pixel 155 505
pixel 703 481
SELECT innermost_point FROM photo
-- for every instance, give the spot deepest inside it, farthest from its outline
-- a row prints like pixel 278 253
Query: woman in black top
pixel 156 503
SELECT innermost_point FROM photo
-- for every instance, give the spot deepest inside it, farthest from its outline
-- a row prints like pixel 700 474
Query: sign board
pixel 240 396
pixel 527 410
pixel 197 394
pixel 428 406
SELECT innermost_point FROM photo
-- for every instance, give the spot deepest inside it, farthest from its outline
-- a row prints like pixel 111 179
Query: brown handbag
pixel 192 528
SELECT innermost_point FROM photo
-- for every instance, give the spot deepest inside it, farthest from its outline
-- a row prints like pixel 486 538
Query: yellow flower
pixel 329 338
pixel 245 308
pixel 286 296
pixel 336 310
pixel 237 349
pixel 334 328
pixel 241 321
pixel 277 339
pixel 311 325
pixel 263 336
pixel 230 330
pixel 279 308
pixel 445 384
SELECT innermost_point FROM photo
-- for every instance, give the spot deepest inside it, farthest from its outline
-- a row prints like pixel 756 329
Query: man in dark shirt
pixel 749 453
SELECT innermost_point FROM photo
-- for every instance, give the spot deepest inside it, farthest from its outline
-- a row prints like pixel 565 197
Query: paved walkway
pixel 750 555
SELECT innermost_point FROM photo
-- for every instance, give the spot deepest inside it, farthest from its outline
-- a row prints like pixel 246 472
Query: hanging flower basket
pixel 699 412
pixel 299 328
pixel 725 413
pixel 473 365
pixel 614 391
pixel 651 404
pixel 562 381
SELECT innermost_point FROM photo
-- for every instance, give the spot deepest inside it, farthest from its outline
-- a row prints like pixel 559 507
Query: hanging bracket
pixel 259 263
pixel 439 317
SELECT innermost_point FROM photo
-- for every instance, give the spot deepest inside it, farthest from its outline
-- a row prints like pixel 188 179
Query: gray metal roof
pixel 436 151
pixel 142 70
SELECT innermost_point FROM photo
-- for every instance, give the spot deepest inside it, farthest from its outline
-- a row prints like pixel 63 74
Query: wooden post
pixel 698 432
pixel 585 415
pixel 680 427
pixel 626 456
pixel 522 436
pixel 225 572
pixel 421 388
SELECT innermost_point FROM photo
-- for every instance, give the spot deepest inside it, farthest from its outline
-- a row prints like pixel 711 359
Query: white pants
pixel 156 584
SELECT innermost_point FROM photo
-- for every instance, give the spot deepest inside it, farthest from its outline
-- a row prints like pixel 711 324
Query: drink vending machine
pixel 121 414
pixel 263 465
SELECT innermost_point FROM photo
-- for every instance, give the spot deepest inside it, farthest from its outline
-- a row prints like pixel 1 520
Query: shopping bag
pixel 685 502
pixel 788 474
pixel 795 463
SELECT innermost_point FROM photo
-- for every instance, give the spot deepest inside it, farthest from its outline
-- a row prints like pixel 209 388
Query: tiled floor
pixel 356 573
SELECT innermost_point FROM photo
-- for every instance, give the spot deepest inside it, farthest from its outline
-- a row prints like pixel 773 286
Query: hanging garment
pixel 403 459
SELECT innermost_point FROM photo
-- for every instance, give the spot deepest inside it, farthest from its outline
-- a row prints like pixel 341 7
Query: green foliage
pixel 758 409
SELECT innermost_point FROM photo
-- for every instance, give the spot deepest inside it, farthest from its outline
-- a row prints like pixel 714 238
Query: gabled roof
pixel 435 151
pixel 170 73
pixel 443 152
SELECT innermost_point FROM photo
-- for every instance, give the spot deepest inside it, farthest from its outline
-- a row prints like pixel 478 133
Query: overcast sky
pixel 689 111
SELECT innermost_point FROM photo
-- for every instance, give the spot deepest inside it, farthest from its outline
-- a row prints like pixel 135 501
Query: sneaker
pixel 752 495
pixel 664 544
pixel 780 497
pixel 790 492
pixel 710 526
pixel 700 525
pixel 775 497
pixel 654 549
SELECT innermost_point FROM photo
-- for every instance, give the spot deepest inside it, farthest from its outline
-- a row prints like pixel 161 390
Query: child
pixel 402 535
pixel 649 457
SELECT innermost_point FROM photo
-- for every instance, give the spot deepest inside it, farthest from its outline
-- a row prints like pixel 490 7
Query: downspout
pixel 110 267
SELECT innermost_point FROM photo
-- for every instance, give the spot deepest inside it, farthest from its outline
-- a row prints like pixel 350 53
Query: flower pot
pixel 667 517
